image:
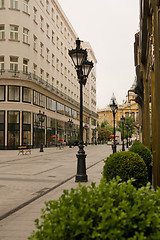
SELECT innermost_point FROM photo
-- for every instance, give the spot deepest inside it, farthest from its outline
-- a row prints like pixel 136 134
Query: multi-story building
pixel 128 108
pixel 36 73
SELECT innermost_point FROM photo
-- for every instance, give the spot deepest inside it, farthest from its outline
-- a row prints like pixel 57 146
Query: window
pixel 34 70
pixel 41 22
pixel 42 100
pixel 42 2
pixel 57 42
pixel 61 47
pixel 41 49
pixel 1 3
pixel 2 93
pixel 14 63
pixel 25 65
pixel 47 6
pixel 51 104
pixel 34 42
pixel 47 77
pixel 1 62
pixel 52 14
pixel 26 94
pixel 13 93
pixel 52 37
pixel 35 14
pixel 57 21
pixel 53 60
pixel 47 33
pixel 41 73
pixel 60 108
pixel 57 64
pixel 14 4
pixel 36 97
pixel 25 6
pixel 26 126
pixel 2 32
pixel 13 129
pixel 25 35
pixel 61 68
pixel 13 32
pixel 47 51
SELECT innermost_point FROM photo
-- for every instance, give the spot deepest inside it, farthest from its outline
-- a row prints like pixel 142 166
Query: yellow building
pixel 129 108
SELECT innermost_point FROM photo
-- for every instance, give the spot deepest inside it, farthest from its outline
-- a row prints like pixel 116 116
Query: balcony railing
pixel 8 74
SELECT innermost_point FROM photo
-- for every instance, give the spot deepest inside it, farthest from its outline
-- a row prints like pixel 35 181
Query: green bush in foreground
pixel 126 165
pixel 113 210
pixel 143 151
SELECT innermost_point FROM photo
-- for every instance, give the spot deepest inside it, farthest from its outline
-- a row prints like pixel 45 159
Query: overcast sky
pixel 109 26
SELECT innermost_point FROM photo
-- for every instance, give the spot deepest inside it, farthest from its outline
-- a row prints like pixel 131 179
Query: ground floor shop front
pixel 22 128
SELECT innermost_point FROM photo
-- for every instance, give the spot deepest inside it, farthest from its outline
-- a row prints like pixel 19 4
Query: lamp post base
pixel 123 148
pixel 81 175
pixel 114 149
pixel 41 147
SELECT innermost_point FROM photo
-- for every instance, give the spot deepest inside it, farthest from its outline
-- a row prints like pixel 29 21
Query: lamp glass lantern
pixel 78 55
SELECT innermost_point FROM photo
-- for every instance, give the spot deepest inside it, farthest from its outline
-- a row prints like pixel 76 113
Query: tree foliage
pixel 104 131
pixel 128 127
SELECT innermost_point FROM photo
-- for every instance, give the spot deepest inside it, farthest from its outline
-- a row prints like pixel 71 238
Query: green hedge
pixel 143 151
pixel 111 211
pixel 126 165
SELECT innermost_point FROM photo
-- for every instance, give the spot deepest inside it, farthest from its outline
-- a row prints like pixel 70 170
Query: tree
pixel 104 131
pixel 128 127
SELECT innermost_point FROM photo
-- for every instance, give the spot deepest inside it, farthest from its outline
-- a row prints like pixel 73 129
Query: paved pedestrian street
pixel 27 181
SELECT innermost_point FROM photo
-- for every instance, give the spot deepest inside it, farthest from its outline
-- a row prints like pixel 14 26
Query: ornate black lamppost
pixel 41 117
pixel 114 108
pixel 70 125
pixel 127 127
pixel 95 136
pixel 122 120
pixel 83 68
pixel 86 127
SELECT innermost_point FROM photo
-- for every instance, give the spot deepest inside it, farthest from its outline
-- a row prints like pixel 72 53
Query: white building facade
pixel 36 73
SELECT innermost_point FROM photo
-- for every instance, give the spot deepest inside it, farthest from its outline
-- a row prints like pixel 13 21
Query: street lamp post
pixel 41 117
pixel 83 68
pixel 114 108
pixel 95 136
pixel 70 125
pixel 122 120
pixel 127 127
pixel 86 127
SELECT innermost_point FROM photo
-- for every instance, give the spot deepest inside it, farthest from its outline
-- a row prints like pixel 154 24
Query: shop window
pixel 2 129
pixel 26 126
pixel 13 129
pixel 14 93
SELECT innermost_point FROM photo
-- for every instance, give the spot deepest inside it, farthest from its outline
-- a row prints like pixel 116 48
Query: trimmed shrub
pixel 113 210
pixel 126 165
pixel 143 151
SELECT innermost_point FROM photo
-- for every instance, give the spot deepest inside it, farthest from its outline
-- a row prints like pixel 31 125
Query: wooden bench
pixel 24 150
